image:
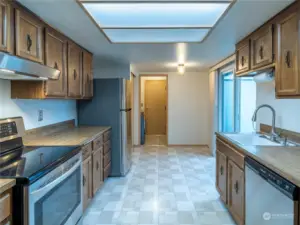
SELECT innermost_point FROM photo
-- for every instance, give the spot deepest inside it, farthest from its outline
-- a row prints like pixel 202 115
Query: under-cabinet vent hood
pixel 15 68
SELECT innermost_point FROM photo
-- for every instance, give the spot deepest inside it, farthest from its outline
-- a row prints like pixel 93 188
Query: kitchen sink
pixel 252 139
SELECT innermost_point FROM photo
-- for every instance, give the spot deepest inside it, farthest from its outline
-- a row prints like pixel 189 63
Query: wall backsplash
pixel 287 110
pixel 54 110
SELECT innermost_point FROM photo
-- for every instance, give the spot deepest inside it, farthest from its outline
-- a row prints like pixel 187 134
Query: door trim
pixel 139 106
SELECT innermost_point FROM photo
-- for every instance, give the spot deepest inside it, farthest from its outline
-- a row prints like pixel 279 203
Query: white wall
pixel 188 109
pixel 288 110
pixel 54 110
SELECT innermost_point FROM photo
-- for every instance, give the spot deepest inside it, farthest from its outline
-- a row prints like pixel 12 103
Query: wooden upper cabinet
pixel 243 56
pixel 29 36
pixel 287 74
pixel 236 192
pixel 262 53
pixel 87 75
pixel 221 175
pixel 74 70
pixel 56 57
pixel 5 26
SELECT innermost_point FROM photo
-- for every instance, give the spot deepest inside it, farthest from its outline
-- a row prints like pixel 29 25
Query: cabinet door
pixel 262 47
pixel 5 25
pixel 221 175
pixel 29 36
pixel 97 170
pixel 287 74
pixel 243 56
pixel 56 57
pixel 236 190
pixel 87 75
pixel 74 70
pixel 87 181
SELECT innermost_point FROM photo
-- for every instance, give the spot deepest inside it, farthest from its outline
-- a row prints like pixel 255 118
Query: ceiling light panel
pixel 155 35
pixel 154 14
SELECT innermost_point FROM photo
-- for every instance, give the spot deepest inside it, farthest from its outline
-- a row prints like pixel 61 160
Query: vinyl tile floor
pixel 166 186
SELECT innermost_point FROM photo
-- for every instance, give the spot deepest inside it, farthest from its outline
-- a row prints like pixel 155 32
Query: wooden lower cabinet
pixel 87 181
pixel 97 169
pixel 221 174
pixel 236 192
pixel 6 207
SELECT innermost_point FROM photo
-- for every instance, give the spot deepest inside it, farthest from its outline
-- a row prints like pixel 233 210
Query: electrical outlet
pixel 40 115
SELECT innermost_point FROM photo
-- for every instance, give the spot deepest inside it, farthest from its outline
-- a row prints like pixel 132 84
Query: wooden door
pixel 243 56
pixel 87 182
pixel 262 47
pixel 287 74
pixel 5 26
pixel 87 75
pixel 236 192
pixel 97 165
pixel 156 107
pixel 74 70
pixel 221 175
pixel 29 36
pixel 56 57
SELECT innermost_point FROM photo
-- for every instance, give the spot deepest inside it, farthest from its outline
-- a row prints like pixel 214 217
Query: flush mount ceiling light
pixel 181 69
pixel 156 21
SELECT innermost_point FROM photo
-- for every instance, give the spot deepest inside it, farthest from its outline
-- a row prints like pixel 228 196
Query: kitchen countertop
pixel 281 159
pixel 6 184
pixel 73 136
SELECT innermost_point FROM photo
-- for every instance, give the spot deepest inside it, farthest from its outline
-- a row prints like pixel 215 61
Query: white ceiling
pixel 242 18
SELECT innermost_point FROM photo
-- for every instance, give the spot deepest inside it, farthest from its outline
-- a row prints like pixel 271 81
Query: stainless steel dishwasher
pixel 270 199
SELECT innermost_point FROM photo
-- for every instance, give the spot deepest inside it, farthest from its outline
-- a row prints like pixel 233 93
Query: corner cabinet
pixel 56 57
pixel 74 70
pixel 287 70
pixel 87 75
pixel 29 33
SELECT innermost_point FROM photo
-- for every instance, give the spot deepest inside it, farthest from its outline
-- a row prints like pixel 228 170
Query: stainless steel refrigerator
pixel 112 106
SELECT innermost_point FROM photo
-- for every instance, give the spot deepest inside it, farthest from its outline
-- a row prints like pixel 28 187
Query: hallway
pixel 169 186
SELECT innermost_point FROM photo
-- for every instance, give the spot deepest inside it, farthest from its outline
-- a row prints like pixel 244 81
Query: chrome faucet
pixel 274 135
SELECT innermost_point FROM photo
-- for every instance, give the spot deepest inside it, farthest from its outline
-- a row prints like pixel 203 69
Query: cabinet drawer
pixel 106 159
pixel 106 136
pixel 107 147
pixel 5 205
pixel 230 152
pixel 107 171
pixel 86 150
pixel 98 142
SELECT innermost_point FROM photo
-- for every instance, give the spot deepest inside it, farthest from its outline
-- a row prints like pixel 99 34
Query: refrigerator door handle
pixel 125 110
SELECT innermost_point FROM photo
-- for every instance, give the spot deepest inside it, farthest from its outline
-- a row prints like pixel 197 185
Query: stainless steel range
pixel 48 189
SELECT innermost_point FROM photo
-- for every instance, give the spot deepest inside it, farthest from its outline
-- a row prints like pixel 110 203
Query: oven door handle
pixel 37 194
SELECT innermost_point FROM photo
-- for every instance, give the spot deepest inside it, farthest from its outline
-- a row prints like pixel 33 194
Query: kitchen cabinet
pixel 221 175
pixel 29 38
pixel 262 47
pixel 74 70
pixel 97 169
pixel 287 71
pixel 243 56
pixel 87 181
pixel 5 25
pixel 236 195
pixel 6 207
pixel 87 75
pixel 56 57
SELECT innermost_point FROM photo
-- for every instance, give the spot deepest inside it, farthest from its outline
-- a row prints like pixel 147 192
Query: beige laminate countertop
pixel 67 137
pixel 283 160
pixel 6 184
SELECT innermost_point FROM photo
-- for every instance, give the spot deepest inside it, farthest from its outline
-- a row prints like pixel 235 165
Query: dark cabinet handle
pixel 75 74
pixel 288 59
pixel 83 180
pixel 236 187
pixel 97 165
pixel 261 52
pixel 221 170
pixel 243 61
pixel 55 66
pixel 29 42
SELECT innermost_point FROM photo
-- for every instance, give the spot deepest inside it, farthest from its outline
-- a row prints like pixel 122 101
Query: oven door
pixel 56 199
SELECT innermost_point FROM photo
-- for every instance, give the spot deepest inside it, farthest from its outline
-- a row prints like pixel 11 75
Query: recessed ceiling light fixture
pixel 156 21
pixel 181 69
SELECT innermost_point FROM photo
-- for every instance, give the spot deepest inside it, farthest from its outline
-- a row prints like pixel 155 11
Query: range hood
pixel 15 68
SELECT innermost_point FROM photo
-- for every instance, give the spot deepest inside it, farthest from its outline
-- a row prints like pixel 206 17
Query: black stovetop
pixel 28 164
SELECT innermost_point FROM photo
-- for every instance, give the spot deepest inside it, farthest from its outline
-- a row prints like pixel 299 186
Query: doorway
pixel 153 109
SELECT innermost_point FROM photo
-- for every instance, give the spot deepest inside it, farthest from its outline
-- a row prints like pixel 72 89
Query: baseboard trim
pixel 184 145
